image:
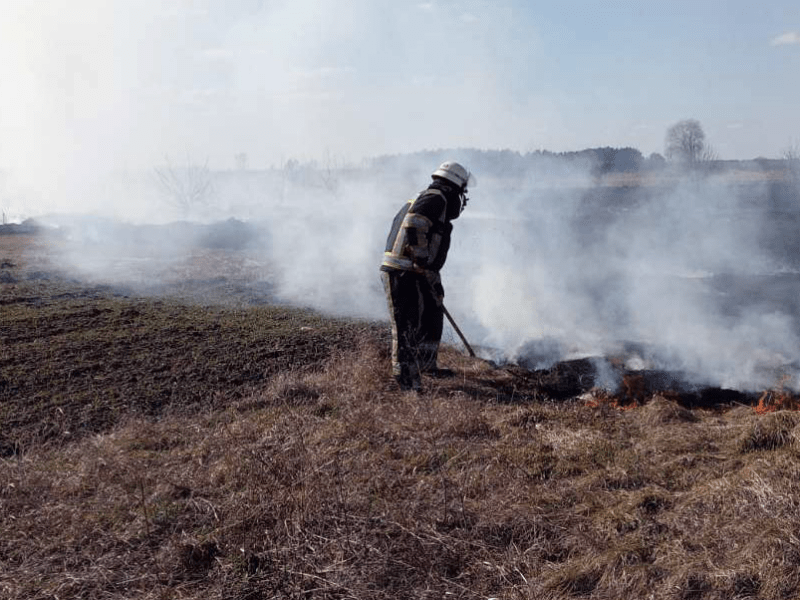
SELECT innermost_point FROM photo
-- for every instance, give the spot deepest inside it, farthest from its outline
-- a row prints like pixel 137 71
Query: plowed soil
pixel 78 357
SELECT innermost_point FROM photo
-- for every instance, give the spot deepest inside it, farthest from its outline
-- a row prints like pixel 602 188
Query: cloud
pixel 198 96
pixel 786 39
pixel 327 72
pixel 217 53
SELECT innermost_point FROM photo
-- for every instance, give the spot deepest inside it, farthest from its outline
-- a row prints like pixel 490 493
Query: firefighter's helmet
pixel 454 173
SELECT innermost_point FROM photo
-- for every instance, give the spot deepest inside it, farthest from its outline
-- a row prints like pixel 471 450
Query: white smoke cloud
pixel 786 39
pixel 92 89
pixel 549 265
pixel 100 92
pixel 681 270
pixel 99 86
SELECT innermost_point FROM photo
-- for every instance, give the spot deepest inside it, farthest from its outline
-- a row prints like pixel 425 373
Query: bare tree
pixel 329 174
pixel 792 157
pixel 708 154
pixel 188 187
pixel 686 143
pixel 242 161
pixel 708 159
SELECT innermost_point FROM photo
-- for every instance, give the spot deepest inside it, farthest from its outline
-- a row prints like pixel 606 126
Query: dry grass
pixel 330 484
pixel 321 480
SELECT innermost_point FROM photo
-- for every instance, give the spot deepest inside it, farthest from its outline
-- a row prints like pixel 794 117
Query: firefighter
pixel 416 250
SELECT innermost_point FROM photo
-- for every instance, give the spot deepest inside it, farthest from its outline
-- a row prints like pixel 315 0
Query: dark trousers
pixel 415 310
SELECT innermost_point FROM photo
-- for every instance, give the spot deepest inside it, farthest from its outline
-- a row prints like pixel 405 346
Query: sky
pixel 92 84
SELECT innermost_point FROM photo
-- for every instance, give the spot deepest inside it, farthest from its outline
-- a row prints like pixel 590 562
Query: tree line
pixel 685 146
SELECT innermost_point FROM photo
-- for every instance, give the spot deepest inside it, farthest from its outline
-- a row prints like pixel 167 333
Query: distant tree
pixel 628 160
pixel 654 162
pixel 708 154
pixel 610 160
pixel 602 158
pixel 188 187
pixel 241 161
pixel 686 142
pixel 329 173
pixel 792 157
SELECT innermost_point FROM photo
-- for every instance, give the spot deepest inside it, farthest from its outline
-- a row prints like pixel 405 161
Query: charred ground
pixel 154 447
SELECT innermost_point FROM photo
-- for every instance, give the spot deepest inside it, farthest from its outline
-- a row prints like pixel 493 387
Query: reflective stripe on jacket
pixel 415 240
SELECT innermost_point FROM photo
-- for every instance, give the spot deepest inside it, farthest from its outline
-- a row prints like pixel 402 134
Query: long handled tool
pixel 458 331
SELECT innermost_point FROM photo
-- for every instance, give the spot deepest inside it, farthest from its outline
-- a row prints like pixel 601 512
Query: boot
pixel 438 373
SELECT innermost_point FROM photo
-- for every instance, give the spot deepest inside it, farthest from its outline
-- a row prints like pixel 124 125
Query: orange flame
pixel 774 400
pixel 777 398
pixel 631 397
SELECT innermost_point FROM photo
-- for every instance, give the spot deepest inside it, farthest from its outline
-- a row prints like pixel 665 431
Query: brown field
pixel 157 448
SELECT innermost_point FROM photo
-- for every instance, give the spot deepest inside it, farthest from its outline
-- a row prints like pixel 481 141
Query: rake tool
pixel 458 331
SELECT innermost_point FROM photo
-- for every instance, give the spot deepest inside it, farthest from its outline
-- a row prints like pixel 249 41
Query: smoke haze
pixel 93 87
pixel 691 275
pixel 100 94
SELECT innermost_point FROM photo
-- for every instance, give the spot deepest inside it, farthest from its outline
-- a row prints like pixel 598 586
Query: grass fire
pixel 161 446
pixel 228 232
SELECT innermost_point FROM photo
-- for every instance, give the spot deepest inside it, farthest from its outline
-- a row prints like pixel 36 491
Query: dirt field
pixel 77 357
pixel 155 448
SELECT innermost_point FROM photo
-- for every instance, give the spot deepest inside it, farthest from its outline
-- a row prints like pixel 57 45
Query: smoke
pixel 695 274
pixel 92 88
pixel 682 272
pixel 692 273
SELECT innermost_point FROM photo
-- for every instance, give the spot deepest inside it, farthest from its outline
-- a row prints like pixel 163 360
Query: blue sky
pixel 124 83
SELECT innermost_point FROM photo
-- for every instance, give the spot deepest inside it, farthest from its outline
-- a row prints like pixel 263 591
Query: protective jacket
pixel 416 250
pixel 420 235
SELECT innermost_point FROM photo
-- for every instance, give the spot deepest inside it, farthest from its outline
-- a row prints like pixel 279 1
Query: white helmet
pixel 455 173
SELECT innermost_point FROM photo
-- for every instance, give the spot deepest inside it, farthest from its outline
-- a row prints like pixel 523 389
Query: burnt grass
pixel 152 447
